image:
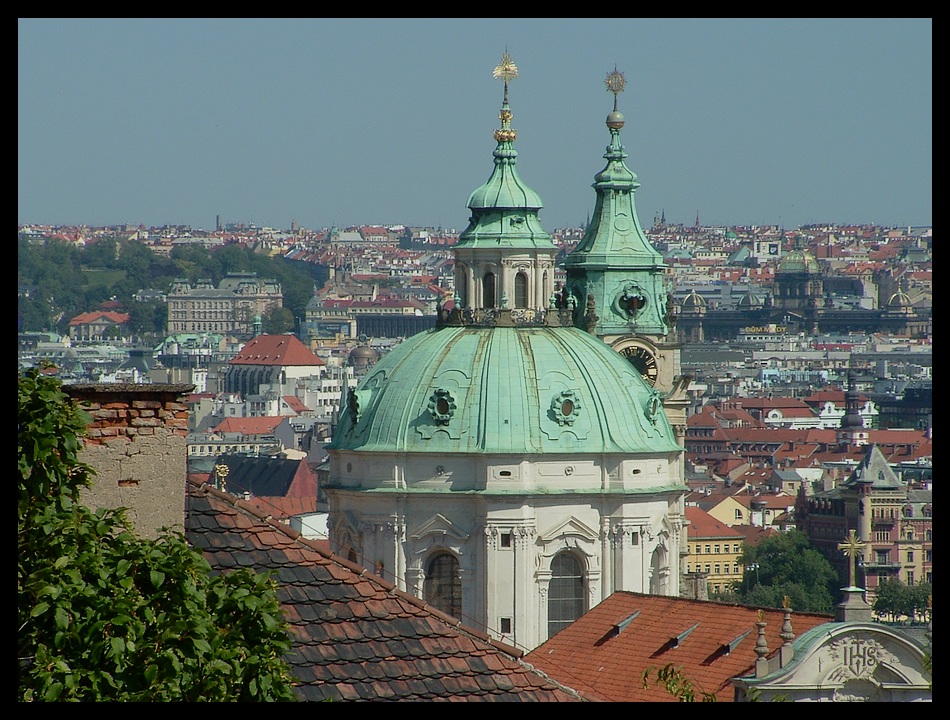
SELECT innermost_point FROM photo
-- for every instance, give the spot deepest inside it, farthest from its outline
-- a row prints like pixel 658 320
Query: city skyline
pixel 344 121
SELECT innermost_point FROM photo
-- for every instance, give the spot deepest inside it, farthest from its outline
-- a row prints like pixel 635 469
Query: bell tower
pixel 618 282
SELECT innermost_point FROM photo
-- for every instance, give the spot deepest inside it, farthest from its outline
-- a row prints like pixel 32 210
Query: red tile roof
pixel 281 508
pixel 90 317
pixel 295 404
pixel 754 534
pixel 772 502
pixel 605 652
pixel 355 635
pixel 275 350
pixel 249 425
pixel 704 525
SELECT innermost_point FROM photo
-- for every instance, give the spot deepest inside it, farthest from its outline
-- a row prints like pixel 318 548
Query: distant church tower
pixel 851 431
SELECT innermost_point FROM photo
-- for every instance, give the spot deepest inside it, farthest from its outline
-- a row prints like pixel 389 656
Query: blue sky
pixel 342 121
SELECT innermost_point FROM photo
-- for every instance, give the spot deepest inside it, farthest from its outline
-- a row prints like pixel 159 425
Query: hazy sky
pixel 343 121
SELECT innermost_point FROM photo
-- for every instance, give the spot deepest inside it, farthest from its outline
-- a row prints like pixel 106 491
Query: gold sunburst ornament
pixel 615 83
pixel 506 70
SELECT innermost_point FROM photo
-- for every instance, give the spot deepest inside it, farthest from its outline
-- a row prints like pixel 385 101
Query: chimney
pixel 137 444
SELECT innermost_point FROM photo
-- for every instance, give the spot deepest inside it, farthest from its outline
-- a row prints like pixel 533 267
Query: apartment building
pixel 715 550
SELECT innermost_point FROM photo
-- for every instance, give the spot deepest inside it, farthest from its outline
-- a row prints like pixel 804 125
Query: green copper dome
pixel 493 380
pixel 505 189
pixel 524 390
pixel 798 261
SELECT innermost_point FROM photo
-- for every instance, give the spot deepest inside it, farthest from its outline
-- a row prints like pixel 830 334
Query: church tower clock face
pixel 643 360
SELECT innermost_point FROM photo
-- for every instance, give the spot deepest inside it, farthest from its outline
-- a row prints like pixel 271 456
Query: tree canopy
pixel 895 600
pixel 105 615
pixel 786 564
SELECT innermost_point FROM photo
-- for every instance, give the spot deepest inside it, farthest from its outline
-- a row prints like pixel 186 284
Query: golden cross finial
pixel 851 547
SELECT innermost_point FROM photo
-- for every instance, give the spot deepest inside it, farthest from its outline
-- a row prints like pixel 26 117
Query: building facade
pixel 234 307
pixel 892 521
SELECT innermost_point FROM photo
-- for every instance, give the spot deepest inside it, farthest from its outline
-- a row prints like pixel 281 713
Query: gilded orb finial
pixel 615 83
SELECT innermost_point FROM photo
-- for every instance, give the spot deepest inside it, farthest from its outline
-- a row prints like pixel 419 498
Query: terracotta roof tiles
pixel 355 636
pixel 604 655
pixel 282 350
pixel 263 425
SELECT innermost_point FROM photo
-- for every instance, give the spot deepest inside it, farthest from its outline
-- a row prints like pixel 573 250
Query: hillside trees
pixel 103 614
pixel 68 280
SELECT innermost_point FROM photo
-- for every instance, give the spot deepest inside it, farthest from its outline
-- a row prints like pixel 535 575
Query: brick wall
pixel 137 445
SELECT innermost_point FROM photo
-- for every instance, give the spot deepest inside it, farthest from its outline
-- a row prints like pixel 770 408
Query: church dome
pixel 504 390
pixel 899 301
pixel 512 426
pixel 693 301
pixel 749 301
pixel 362 356
pixel 798 261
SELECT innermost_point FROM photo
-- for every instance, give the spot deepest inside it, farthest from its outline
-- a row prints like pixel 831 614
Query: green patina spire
pixel 614 268
pixel 504 209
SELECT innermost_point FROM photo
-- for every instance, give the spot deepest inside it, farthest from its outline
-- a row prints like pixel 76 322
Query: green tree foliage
pixel 675 682
pixel 787 564
pixel 896 601
pixel 103 614
pixel 55 271
pixel 278 321
pixel 148 318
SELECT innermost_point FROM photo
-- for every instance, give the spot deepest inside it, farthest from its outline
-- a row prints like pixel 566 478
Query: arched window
pixel 488 290
pixel 443 587
pixel 567 599
pixel 521 290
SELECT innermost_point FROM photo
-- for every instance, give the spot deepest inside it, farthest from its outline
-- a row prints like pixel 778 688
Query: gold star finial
pixel 221 473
